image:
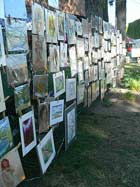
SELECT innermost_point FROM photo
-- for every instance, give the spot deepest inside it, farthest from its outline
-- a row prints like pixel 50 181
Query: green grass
pixel 128 96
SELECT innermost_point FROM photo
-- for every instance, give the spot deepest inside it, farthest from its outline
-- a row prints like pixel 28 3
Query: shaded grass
pixel 128 96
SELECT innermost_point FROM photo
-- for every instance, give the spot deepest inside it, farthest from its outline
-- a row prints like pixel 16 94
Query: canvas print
pixel 27 132
pixel 17 72
pixel 70 89
pixel 6 138
pixel 61 26
pixel 63 54
pixel 70 22
pixel 38 23
pixel 43 117
pixel 56 112
pixel 51 26
pixel 79 29
pixel 70 125
pixel 2 52
pixel 39 54
pixel 46 151
pixel 11 171
pixel 80 93
pixel 12 10
pixel 40 85
pixel 80 48
pixel 80 71
pixel 54 58
pixel 2 101
pixel 22 97
pixel 73 61
pixel 16 35
pixel 59 83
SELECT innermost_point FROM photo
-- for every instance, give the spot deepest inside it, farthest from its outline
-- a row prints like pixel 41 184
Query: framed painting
pixel 70 89
pixel 80 93
pixel 16 35
pixel 54 58
pixel 56 112
pixel 80 48
pixel 53 3
pixel 73 61
pixel 39 54
pixel 38 23
pixel 61 26
pixel 43 117
pixel 22 97
pixel 86 44
pixel 59 83
pixel 2 100
pixel 6 138
pixel 27 132
pixel 11 170
pixel 80 71
pixel 85 28
pixel 79 29
pixel 51 26
pixel 70 22
pixel 46 151
pixel 2 52
pixel 70 124
pixel 17 72
pixel 63 55
pixel 12 11
pixel 40 85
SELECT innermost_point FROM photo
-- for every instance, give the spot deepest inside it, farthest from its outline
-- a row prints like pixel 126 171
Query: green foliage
pixel 128 96
pixel 134 29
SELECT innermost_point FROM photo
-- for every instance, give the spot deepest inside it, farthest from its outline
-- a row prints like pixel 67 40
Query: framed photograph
pixel 6 138
pixel 11 170
pixel 54 59
pixel 56 112
pixel 40 85
pixel 80 93
pixel 73 61
pixel 39 54
pixel 38 23
pixel 22 97
pixel 27 132
pixel 70 21
pixel 61 26
pixel 17 72
pixel 53 3
pixel 12 10
pixel 51 26
pixel 16 35
pixel 46 151
pixel 2 101
pixel 63 54
pixel 80 71
pixel 43 117
pixel 2 52
pixel 70 125
pixel 70 89
pixel 79 28
pixel 59 83
pixel 80 48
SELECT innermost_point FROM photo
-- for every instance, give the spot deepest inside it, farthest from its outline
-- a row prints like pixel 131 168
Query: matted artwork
pixel 54 60
pixel 2 52
pixel 22 97
pixel 70 21
pixel 2 101
pixel 51 26
pixel 63 54
pixel 17 72
pixel 80 93
pixel 79 29
pixel 43 117
pixel 16 35
pixel 27 132
pixel 73 61
pixel 46 151
pixel 6 138
pixel 53 3
pixel 12 11
pixel 70 89
pixel 61 26
pixel 70 125
pixel 80 71
pixel 80 48
pixel 59 83
pixel 11 170
pixel 40 85
pixel 38 23
pixel 56 112
pixel 39 54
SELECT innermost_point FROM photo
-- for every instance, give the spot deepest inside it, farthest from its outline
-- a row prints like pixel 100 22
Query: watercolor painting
pixel 70 89
pixel 80 48
pixel 63 54
pixel 61 26
pixel 80 93
pixel 73 61
pixel 70 22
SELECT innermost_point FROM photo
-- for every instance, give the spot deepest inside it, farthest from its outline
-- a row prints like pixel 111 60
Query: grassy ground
pixel 106 152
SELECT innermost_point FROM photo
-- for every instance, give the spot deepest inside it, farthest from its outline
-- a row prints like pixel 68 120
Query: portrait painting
pixel 27 132
pixel 61 26
pixel 80 93
pixel 11 170
pixel 2 51
pixel 73 61
pixel 70 89
pixel 46 151
pixel 6 138
pixel 2 100
pixel 63 54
